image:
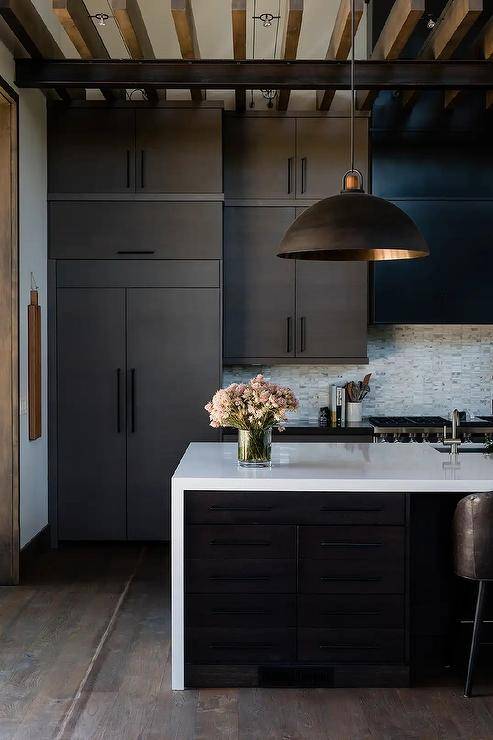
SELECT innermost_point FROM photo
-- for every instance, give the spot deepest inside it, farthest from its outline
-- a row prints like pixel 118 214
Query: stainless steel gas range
pixel 428 428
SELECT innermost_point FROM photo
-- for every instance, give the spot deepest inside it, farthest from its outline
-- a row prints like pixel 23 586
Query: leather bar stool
pixel 473 556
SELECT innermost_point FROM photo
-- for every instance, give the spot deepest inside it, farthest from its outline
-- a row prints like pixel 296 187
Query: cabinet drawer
pixel 264 507
pixel 134 230
pixel 351 576
pixel 240 541
pixel 358 545
pixel 240 576
pixel 351 610
pixel 248 645
pixel 350 645
pixel 241 610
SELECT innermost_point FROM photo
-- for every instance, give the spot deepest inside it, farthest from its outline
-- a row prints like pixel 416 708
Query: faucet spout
pixel 454 441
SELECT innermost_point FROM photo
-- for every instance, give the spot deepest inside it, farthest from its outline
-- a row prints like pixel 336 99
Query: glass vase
pixel 254 448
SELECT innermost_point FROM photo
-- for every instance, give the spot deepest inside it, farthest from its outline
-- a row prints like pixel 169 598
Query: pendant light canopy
pixel 353 225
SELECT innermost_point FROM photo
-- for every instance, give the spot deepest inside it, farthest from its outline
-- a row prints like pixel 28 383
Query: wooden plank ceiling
pixel 226 29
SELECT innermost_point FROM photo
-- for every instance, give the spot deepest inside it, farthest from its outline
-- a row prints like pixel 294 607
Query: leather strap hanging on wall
pixel 34 363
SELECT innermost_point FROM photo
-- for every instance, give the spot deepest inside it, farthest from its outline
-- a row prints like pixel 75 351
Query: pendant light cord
pixel 352 86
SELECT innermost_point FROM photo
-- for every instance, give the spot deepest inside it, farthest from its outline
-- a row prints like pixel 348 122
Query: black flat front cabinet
pixel 91 413
pixel 135 369
pixel 259 155
pixel 91 151
pixel 259 295
pixel 173 350
pixel 178 151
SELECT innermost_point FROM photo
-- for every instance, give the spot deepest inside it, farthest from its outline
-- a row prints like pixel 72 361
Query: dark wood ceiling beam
pixel 401 22
pixel 79 27
pixel 454 22
pixel 187 37
pixel 340 43
pixel 290 40
pixel 28 27
pixel 482 48
pixel 259 74
pixel 238 26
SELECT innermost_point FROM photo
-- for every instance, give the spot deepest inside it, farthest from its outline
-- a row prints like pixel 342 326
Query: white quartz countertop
pixel 336 467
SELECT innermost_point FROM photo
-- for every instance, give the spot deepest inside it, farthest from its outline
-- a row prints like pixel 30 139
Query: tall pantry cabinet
pixel 135 314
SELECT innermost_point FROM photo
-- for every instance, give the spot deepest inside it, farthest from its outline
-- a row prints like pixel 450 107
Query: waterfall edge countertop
pixel 342 466
pixel 298 469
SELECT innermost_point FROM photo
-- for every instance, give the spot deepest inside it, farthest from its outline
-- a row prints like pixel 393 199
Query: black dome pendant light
pixel 353 225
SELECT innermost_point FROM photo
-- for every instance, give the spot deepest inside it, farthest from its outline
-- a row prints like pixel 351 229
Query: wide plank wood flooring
pixel 85 653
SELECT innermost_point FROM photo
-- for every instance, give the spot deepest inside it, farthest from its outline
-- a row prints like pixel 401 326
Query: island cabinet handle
pixel 288 333
pixel 351 508
pixel 128 168
pixel 217 507
pixel 350 544
pixel 239 578
pixel 357 579
pixel 328 646
pixel 136 251
pixel 240 646
pixel 246 543
pixel 290 174
pixel 350 614
pixel 118 401
pixel 257 612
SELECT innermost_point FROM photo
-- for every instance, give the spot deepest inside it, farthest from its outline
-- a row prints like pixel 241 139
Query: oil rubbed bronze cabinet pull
pixel 136 251
pixel 142 168
pixel 288 333
pixel 217 507
pixel 350 614
pixel 324 646
pixel 239 578
pixel 302 333
pixel 351 508
pixel 118 401
pixel 249 612
pixel 303 174
pixel 351 544
pixel 128 168
pixel 132 400
pixel 240 646
pixel 355 579
pixel 290 175
pixel 240 543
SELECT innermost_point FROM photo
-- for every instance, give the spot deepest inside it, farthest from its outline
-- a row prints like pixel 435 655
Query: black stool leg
pixel 475 638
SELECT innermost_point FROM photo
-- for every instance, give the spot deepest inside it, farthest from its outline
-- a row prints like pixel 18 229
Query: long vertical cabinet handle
pixel 302 333
pixel 303 174
pixel 118 400
pixel 288 334
pixel 132 400
pixel 128 168
pixel 290 175
pixel 142 169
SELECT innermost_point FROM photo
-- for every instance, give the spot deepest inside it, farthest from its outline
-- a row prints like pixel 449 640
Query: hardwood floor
pixel 84 653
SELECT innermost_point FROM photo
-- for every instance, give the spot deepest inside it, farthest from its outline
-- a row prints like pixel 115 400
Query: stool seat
pixel 473 530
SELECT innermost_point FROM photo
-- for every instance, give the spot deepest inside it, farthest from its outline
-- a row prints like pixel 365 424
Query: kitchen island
pixel 330 568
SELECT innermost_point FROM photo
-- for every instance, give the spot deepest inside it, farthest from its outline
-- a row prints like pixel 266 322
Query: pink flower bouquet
pixel 253 408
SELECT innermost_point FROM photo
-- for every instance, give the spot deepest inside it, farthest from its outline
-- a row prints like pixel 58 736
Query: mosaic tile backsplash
pixel 415 370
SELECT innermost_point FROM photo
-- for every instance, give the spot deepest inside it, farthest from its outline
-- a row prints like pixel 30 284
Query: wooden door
pixel 323 154
pixel 259 287
pixel 259 157
pixel 179 151
pixel 174 357
pixel 91 150
pixel 91 413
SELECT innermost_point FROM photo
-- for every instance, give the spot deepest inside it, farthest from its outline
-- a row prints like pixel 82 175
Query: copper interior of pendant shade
pixel 353 226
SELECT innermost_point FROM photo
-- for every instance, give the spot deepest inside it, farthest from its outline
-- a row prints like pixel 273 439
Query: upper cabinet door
pixel 91 150
pixel 259 157
pixel 331 306
pixel 259 306
pixel 179 151
pixel 323 154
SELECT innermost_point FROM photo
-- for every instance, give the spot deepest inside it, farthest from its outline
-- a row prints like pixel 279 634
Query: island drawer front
pixel 350 610
pixel 240 575
pixel 241 541
pixel 240 645
pixel 350 645
pixel 351 576
pixel 357 544
pixel 292 507
pixel 241 610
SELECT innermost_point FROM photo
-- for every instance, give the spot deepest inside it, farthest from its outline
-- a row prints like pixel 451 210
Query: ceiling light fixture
pixel 266 19
pixel 430 23
pixel 353 225
pixel 101 18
